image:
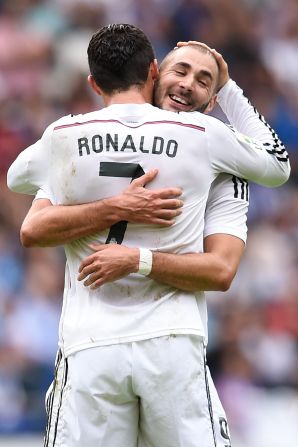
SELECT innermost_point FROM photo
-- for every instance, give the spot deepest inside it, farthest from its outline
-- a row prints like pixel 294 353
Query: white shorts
pixel 151 393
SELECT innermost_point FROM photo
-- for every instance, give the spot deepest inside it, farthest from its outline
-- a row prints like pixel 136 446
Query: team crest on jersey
pixel 247 140
pixel 252 143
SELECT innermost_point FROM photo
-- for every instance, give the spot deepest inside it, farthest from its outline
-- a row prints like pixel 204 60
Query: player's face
pixel 187 81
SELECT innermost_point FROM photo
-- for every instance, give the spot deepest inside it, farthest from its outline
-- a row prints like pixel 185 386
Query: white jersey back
pixel 98 157
pixel 102 153
pixel 93 156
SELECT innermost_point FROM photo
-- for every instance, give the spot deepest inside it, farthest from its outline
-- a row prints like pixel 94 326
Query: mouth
pixel 180 102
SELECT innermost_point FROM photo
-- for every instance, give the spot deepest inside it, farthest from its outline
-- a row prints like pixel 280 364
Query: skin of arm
pixel 212 270
pixel 47 225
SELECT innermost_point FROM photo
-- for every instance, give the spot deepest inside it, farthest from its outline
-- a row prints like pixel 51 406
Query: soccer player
pixel 136 339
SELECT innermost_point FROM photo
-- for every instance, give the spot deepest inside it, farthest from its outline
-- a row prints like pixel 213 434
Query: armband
pixel 145 263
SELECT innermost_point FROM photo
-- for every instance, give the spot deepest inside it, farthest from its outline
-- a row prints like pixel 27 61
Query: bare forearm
pixel 56 225
pixel 50 225
pixel 192 272
pixel 213 270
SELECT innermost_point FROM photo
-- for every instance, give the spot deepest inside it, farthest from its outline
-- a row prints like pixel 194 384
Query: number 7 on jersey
pixel 113 169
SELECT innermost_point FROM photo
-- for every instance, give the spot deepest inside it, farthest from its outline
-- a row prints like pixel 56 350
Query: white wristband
pixel 145 263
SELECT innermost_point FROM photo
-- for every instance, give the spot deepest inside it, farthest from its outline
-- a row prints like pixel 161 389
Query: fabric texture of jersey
pixel 93 156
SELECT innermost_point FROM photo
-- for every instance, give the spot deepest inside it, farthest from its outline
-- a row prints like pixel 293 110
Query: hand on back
pixel 150 206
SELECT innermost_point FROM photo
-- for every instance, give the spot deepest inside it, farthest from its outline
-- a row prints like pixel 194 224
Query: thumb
pixel 98 247
pixel 145 178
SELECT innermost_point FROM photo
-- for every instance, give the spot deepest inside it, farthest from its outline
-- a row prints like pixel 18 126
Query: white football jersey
pixel 227 205
pixel 89 157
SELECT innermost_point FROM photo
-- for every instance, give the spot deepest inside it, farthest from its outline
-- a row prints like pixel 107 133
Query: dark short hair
pixel 119 57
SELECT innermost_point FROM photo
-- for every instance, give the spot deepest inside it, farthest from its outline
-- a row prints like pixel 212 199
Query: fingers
pixel 165 210
pixel 168 205
pixel 94 280
pixel 215 53
pixel 99 247
pixel 149 177
pixel 168 193
pixel 84 271
pixel 145 178
pixel 218 57
pixel 93 275
pixel 90 270
pixel 168 213
pixel 193 42
pixel 97 283
pixel 164 217
pixel 181 44
pixel 163 222
pixel 91 281
pixel 87 266
pixel 167 216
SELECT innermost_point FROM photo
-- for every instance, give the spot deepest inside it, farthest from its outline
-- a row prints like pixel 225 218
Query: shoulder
pixel 194 119
pixel 207 121
pixel 69 120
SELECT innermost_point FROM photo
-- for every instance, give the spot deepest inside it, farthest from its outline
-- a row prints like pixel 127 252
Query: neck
pixel 131 96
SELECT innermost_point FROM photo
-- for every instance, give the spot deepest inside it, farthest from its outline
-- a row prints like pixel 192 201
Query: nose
pixel 187 83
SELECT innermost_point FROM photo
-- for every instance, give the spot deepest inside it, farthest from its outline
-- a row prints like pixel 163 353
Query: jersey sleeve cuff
pixel 226 230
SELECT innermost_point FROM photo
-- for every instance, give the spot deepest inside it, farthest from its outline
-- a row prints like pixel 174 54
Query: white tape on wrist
pixel 145 263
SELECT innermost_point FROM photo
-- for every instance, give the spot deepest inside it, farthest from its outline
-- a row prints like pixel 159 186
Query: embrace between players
pixel 131 370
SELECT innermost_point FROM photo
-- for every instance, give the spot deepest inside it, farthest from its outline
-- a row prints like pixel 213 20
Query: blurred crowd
pixel 43 68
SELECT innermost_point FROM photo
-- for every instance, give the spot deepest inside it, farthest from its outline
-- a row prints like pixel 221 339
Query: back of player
pixel 95 156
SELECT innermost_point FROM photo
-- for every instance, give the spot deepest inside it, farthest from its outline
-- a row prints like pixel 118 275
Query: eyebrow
pixel 205 73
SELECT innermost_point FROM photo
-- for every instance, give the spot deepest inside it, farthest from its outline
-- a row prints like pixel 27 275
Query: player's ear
pixel 211 104
pixel 154 70
pixel 94 86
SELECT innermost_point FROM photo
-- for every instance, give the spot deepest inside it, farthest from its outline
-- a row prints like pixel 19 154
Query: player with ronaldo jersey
pixel 129 323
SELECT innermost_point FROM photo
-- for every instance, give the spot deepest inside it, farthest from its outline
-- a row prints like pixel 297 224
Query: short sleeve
pixel 227 206
pixel 44 193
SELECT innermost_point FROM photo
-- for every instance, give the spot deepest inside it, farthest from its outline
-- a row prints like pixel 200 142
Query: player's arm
pixel 225 233
pixel 50 225
pixel 224 241
pixel 262 161
pixel 274 163
pixel 244 116
pixel 213 270
pixel 28 173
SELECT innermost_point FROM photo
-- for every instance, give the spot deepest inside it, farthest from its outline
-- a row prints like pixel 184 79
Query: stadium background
pixel 253 351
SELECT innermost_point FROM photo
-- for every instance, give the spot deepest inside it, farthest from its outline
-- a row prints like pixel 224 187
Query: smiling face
pixel 187 80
